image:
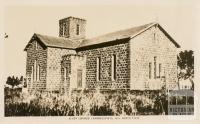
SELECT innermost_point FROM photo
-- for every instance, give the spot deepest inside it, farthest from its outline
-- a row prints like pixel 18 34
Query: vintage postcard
pixel 111 61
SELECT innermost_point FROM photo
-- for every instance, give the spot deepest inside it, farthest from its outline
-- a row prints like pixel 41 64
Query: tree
pixel 13 81
pixel 9 81
pixel 21 79
pixel 17 81
pixel 186 65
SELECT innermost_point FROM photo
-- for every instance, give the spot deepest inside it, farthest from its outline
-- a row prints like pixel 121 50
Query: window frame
pixel 38 72
pixel 79 82
pixel 155 67
pixel 150 70
pixel 113 67
pixel 36 45
pixel 63 29
pixel 160 69
pixel 77 29
pixel 98 68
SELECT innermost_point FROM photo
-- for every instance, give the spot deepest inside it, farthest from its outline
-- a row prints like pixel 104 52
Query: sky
pixel 21 21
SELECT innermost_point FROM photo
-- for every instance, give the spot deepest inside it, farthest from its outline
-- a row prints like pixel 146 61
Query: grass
pixel 111 103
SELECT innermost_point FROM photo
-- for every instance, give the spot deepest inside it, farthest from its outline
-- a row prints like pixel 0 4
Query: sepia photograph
pixel 99 60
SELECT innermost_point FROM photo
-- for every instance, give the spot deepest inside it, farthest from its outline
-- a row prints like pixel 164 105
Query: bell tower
pixel 72 28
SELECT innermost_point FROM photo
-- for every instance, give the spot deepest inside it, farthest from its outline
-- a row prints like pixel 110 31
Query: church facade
pixel 139 58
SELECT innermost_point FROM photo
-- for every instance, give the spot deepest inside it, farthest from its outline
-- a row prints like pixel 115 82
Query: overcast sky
pixel 179 20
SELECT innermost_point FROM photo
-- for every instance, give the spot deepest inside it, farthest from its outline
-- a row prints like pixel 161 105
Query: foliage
pixel 14 81
pixel 82 104
pixel 186 64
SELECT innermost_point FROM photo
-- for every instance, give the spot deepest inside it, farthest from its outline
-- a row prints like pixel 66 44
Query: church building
pixel 138 58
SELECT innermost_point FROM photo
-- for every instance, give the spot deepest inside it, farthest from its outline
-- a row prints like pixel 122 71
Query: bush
pixel 80 103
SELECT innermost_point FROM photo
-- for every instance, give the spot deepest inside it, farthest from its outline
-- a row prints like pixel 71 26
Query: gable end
pixel 35 38
pixel 163 30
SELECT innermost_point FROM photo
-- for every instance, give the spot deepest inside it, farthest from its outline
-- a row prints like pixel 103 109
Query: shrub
pixel 84 103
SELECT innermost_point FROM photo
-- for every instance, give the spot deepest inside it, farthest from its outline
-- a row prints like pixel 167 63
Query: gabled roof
pixel 49 41
pixel 66 43
pixel 123 34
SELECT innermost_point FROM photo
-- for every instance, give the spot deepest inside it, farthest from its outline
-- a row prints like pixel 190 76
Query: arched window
pixel 36 71
pixel 155 67
pixel 36 45
pixel 98 68
pixel 113 67
pixel 32 73
pixel 160 70
pixel 63 29
pixel 150 70
pixel 77 29
pixel 79 78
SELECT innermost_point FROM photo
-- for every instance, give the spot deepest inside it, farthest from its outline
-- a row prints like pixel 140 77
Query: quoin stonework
pixel 139 58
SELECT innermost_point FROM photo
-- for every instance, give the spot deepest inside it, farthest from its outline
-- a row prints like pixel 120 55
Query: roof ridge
pixel 62 42
pixel 69 17
pixel 124 33
pixel 57 41
pixel 52 36
pixel 124 29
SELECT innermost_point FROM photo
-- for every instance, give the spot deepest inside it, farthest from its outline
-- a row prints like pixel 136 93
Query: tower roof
pixel 71 17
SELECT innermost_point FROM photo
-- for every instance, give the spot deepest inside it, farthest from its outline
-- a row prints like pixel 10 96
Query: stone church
pixel 138 58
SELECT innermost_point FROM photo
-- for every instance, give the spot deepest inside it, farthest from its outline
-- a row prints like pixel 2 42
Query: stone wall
pixel 152 43
pixel 65 73
pixel 40 55
pixel 78 64
pixel 132 63
pixel 105 54
pixel 54 66
pixel 71 64
pixel 69 25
